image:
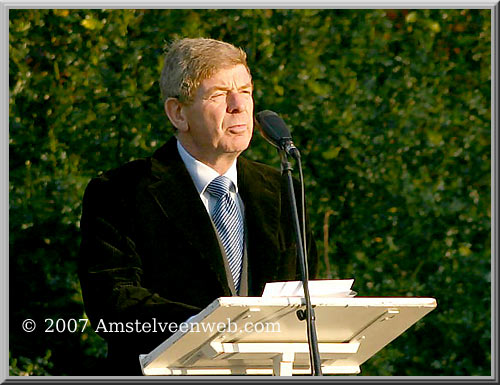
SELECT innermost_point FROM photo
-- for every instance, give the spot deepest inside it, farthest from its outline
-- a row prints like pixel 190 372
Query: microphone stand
pixel 312 337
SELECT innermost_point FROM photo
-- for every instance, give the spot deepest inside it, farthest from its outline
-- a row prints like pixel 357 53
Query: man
pixel 162 237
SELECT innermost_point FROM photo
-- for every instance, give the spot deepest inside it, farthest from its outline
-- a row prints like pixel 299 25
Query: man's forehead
pixel 226 76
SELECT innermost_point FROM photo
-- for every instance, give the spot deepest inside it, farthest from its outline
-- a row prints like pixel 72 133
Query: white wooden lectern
pixel 258 335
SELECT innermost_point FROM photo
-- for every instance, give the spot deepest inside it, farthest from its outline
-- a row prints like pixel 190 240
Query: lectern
pixel 261 335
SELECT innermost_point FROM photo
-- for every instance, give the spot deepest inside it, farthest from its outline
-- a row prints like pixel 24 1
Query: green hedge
pixel 391 111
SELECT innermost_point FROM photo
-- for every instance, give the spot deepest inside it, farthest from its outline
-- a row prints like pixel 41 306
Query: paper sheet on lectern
pixel 317 288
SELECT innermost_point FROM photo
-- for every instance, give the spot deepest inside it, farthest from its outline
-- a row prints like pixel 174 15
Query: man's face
pixel 220 120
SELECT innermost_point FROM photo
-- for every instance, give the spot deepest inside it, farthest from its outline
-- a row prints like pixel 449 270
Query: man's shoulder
pixel 259 168
pixel 136 167
pixel 253 172
pixel 125 175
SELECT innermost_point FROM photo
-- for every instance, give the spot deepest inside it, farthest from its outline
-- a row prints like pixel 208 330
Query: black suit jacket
pixel 149 249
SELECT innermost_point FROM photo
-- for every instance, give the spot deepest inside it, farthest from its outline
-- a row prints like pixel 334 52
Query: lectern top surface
pixel 325 301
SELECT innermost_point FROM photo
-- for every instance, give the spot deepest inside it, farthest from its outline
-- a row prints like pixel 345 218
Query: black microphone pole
pixel 275 131
pixel 286 168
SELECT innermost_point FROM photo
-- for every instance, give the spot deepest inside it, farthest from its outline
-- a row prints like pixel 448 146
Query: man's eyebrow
pixel 248 85
pixel 226 88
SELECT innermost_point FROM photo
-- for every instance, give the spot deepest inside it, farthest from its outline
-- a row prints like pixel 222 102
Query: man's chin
pixel 236 151
pixel 238 144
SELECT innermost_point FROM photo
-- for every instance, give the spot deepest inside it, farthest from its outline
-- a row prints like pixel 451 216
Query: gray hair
pixel 190 61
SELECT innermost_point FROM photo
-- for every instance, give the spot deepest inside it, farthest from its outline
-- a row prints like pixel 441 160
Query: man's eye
pixel 218 95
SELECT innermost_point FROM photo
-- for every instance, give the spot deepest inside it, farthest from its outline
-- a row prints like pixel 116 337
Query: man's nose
pixel 236 102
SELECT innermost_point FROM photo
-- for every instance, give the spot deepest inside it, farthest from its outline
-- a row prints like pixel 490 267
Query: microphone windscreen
pixel 273 127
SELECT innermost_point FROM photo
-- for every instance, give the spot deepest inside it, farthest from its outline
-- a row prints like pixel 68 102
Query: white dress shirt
pixel 202 175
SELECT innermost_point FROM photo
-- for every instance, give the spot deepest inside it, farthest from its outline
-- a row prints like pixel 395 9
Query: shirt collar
pixel 202 174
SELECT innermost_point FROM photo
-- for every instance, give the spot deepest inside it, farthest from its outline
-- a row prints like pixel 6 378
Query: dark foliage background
pixel 391 109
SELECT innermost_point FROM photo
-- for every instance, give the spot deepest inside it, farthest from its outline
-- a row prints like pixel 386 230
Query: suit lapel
pixel 262 199
pixel 175 193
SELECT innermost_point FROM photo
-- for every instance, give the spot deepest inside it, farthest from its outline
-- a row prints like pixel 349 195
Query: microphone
pixel 276 132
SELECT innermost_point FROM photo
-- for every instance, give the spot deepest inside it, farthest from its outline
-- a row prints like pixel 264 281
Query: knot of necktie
pixel 220 186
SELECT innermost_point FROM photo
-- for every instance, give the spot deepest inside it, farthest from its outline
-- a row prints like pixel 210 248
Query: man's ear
pixel 174 110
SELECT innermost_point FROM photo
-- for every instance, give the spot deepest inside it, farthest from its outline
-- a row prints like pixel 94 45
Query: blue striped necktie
pixel 229 224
